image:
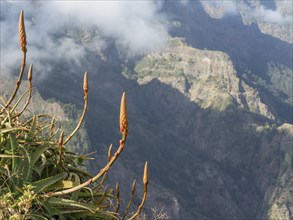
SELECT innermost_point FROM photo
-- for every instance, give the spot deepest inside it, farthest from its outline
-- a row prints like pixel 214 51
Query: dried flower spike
pixel 85 90
pixel 30 73
pixel 110 153
pixel 21 30
pixel 85 85
pixel 146 174
pixel 123 117
pixel 133 187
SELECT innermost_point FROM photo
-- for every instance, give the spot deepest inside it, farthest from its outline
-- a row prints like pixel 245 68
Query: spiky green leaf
pixel 51 210
pixel 71 203
pixel 44 183
pixel 6 130
pixel 37 217
pixel 14 146
pixel 32 158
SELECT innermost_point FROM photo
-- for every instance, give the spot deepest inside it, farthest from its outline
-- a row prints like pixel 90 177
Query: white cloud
pixel 137 27
pixel 225 6
pixel 230 7
pixel 184 2
pixel 274 16
pixel 281 15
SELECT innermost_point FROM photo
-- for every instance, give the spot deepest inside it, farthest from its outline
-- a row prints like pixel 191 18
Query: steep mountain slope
pixel 213 152
pixel 227 135
pixel 207 112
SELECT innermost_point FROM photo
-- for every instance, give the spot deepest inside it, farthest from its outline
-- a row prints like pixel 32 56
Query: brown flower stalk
pixel 22 38
pixel 123 117
pixel 85 90
pixel 110 153
pixel 130 200
pixel 60 145
pixel 106 167
pixel 30 75
pixel 30 85
pixel 95 178
pixel 145 191
pixel 52 124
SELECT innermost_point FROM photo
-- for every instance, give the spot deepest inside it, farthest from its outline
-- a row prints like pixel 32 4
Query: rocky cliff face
pixel 207 78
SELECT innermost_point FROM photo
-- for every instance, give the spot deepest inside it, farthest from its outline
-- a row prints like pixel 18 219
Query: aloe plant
pixel 39 177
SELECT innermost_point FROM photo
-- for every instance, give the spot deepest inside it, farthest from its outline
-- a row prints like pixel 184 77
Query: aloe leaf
pixel 4 160
pixel 55 170
pixel 71 211
pixel 33 158
pixel 3 131
pixel 74 195
pixel 79 215
pixel 25 165
pixel 52 210
pixel 38 152
pixel 37 217
pixel 74 169
pixel 82 213
pixel 44 183
pixel 97 215
pixel 71 203
pixel 62 184
pixel 3 171
pixel 33 127
pixel 14 146
pixel 91 195
pixel 92 211
pixel 38 169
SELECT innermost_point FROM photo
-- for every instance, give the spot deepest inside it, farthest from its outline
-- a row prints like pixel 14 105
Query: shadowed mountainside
pixel 228 162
